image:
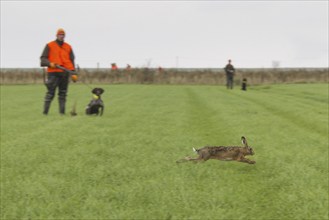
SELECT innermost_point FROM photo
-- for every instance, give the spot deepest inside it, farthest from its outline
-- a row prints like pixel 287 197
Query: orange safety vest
pixel 60 55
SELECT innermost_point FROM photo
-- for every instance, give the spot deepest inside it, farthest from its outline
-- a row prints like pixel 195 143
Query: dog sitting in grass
pixel 244 84
pixel 96 105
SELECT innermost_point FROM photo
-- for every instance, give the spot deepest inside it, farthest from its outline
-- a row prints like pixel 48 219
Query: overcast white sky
pixel 169 33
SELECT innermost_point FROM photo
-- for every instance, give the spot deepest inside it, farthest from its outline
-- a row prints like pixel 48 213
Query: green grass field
pixel 123 165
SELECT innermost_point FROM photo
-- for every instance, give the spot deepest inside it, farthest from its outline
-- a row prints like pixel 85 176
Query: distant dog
pixel 96 105
pixel 244 84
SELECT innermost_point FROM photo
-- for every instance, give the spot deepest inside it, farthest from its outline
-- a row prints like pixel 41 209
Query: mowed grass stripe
pixel 309 98
pixel 293 92
pixel 311 118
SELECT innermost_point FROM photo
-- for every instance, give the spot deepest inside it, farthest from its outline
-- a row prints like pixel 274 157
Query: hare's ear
pixel 244 141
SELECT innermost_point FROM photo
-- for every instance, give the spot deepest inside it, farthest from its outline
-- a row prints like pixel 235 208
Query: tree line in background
pixel 174 76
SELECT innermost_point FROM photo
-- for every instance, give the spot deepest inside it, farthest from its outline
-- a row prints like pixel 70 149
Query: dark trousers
pixel 229 81
pixel 54 80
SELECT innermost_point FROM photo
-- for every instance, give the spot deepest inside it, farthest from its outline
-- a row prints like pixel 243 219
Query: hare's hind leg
pixel 183 160
pixel 195 160
pixel 245 160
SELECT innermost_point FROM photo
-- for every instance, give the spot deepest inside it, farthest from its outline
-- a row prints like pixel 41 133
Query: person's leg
pixel 62 92
pixel 51 84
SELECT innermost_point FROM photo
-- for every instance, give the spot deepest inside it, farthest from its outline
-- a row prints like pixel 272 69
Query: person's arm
pixel 72 57
pixel 44 57
pixel 225 68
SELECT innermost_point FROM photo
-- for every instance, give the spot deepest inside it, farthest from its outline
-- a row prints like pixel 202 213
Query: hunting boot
pixel 46 107
pixel 62 106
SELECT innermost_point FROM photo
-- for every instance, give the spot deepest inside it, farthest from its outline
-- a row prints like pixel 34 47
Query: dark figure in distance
pixel 244 84
pixel 229 70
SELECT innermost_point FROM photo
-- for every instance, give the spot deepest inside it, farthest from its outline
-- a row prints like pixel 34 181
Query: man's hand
pixel 52 65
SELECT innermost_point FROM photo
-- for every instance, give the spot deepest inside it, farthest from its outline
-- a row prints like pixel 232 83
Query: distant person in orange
pixel 60 53
pixel 128 67
pixel 114 66
pixel 230 71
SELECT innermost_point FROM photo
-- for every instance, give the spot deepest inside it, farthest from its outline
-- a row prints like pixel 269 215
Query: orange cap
pixel 60 31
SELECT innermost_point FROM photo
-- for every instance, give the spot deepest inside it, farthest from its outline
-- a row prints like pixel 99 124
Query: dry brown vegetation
pixel 175 76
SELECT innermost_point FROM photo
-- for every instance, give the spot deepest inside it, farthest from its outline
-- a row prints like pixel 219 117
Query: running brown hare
pixel 226 153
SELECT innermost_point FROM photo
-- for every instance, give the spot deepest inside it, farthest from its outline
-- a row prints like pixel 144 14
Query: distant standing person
pixel 229 69
pixel 57 52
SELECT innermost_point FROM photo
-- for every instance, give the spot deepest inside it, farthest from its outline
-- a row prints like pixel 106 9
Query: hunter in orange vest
pixel 57 52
